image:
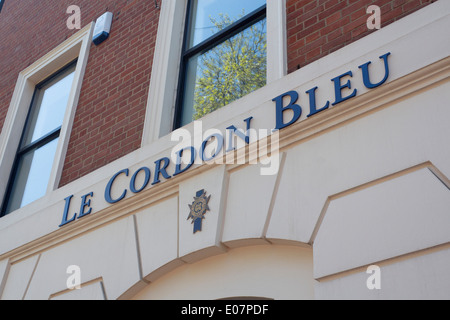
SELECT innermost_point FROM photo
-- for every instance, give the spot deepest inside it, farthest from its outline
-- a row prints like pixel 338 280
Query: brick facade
pixel 111 111
pixel 110 114
pixel 316 28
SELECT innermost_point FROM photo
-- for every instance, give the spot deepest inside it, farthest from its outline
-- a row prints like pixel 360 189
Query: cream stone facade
pixel 365 182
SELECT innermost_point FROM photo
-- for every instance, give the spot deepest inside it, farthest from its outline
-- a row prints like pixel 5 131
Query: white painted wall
pixel 274 272
pixel 422 276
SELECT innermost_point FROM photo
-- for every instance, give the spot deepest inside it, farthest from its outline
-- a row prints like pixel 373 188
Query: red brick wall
pixel 315 28
pixel 110 114
pixel 111 111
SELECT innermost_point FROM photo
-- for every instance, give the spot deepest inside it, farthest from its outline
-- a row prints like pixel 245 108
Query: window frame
pixel 215 40
pixel 22 149
pixel 162 97
pixel 75 47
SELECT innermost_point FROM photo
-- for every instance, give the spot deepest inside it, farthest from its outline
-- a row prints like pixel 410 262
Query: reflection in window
pixel 34 159
pixel 225 55
pixel 211 16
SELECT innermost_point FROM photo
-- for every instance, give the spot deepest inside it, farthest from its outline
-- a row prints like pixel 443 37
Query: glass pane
pixel 49 106
pixel 211 16
pixel 32 176
pixel 225 73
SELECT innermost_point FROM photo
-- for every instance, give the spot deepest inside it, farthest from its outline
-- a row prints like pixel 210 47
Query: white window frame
pixel 76 47
pixel 164 80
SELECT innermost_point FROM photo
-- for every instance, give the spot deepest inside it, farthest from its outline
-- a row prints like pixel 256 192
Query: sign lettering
pixel 343 90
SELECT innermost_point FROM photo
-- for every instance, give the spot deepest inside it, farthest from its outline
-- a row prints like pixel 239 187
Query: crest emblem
pixel 198 209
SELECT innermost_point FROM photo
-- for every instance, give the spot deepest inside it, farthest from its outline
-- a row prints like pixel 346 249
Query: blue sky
pixel 213 8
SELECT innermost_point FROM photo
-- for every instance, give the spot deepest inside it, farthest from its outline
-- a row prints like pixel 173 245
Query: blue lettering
pixel 292 106
pixel 65 219
pixel 108 197
pixel 178 169
pixel 161 170
pixel 312 102
pixel 245 137
pixel 338 86
pixel 365 72
pixel 85 204
pixel 147 174
pixel 219 138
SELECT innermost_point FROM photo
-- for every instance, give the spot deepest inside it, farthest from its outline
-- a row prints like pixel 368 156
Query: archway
pixel 263 271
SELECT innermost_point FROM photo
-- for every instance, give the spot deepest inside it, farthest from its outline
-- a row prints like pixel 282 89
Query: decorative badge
pixel 198 209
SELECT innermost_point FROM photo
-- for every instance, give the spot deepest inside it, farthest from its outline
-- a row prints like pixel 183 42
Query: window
pixel 224 55
pixel 33 82
pixel 163 111
pixel 1 4
pixel 35 156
